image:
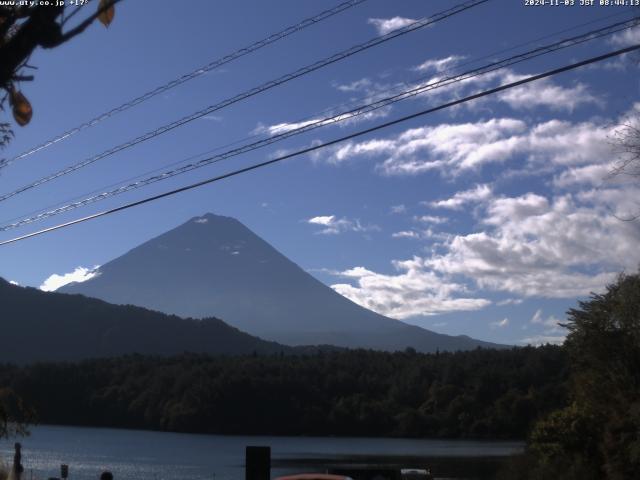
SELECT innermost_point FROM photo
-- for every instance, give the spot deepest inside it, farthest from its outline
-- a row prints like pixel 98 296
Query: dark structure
pixel 258 463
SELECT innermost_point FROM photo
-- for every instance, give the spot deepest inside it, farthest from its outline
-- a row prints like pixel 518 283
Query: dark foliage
pixel 597 435
pixel 479 394
pixel 38 326
pixel 14 415
pixel 26 26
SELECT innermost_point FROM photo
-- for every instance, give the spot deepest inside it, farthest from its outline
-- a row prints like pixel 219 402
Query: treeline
pixel 474 394
pixel 596 434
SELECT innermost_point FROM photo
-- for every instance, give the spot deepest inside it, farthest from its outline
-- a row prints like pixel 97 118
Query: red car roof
pixel 314 476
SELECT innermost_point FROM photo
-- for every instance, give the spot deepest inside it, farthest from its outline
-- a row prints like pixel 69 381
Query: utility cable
pixel 329 143
pixel 188 76
pixel 307 126
pixel 420 89
pixel 250 93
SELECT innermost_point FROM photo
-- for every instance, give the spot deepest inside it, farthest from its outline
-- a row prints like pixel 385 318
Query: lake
pixel 137 454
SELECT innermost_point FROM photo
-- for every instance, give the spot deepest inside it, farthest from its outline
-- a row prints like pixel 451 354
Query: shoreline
pixel 477 440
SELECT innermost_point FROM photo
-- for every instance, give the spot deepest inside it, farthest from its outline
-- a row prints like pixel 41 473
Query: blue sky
pixel 489 219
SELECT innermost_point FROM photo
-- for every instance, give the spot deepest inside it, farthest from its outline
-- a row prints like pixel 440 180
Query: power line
pixel 330 143
pixel 529 42
pixel 254 91
pixel 307 126
pixel 189 76
pixel 349 104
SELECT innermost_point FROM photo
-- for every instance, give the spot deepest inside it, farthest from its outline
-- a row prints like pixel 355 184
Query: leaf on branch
pixel 22 110
pixel 106 15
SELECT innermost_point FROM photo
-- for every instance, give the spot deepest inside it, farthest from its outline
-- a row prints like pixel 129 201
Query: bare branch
pixel 626 143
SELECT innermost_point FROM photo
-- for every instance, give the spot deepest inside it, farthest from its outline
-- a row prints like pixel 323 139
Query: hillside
pixel 38 326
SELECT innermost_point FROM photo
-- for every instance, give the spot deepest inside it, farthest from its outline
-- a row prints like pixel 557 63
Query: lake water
pixel 136 454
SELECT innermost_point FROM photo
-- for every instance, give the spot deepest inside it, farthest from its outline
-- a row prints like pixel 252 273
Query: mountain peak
pixel 212 218
pixel 213 265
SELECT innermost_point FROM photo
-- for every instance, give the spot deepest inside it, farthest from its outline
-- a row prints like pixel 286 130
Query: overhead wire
pixel 254 91
pixel 313 148
pixel 187 77
pixel 416 89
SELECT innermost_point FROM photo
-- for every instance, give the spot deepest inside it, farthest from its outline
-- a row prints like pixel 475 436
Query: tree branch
pixel 81 27
pixel 40 28
pixel 23 78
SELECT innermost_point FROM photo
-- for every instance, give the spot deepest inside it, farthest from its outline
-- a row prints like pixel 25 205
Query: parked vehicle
pixel 314 476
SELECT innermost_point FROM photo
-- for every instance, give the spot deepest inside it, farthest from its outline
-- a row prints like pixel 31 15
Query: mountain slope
pixel 38 326
pixel 215 266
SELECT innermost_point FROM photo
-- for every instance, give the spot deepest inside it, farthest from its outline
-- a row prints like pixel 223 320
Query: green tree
pixel 14 417
pixel 599 432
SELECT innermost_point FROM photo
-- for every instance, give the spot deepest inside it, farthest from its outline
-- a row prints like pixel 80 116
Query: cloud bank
pixel 80 274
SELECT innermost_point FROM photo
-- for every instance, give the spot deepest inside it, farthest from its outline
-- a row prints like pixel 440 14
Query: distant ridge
pixel 36 326
pixel 215 266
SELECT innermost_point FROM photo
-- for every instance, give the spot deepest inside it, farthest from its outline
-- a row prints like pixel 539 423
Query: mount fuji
pixel 214 266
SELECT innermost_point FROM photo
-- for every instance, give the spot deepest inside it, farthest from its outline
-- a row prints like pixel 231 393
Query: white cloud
pixel 398 209
pixel 552 331
pixel 566 143
pixel 334 225
pixel 499 323
pixel 331 118
pixel 13 282
pixel 428 234
pixel 439 64
pixel 516 208
pixel 529 245
pixel 430 219
pixel 80 274
pixel 284 127
pixel 411 292
pixel 356 85
pixel 456 148
pixel 492 146
pixel 446 146
pixel 544 93
pixel 322 220
pixel 386 25
pixel 620 201
pixel 533 246
pixel 480 193
pixel 595 174
pixel 201 220
pixel 406 234
pixel 627 37
pixel 561 245
pixel 551 322
pixel 509 301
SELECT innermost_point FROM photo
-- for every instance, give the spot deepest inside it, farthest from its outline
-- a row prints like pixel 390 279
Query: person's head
pixel 106 476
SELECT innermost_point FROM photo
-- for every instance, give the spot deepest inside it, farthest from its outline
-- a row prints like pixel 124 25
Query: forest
pixel 576 405
pixel 479 394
